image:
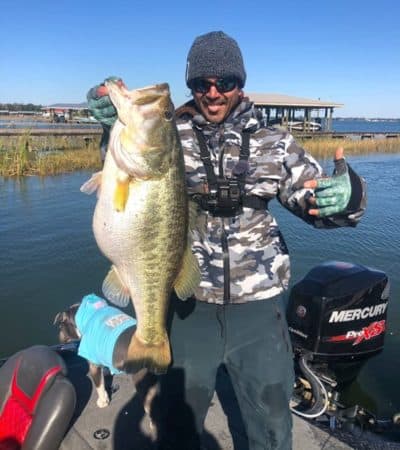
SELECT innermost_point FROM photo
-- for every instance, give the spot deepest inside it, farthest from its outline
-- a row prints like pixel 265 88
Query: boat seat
pixel 37 401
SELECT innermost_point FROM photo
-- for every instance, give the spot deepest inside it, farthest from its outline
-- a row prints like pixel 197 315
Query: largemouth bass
pixel 141 218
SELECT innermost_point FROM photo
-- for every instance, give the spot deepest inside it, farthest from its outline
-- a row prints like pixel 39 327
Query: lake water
pixel 49 260
pixel 340 125
pixel 366 126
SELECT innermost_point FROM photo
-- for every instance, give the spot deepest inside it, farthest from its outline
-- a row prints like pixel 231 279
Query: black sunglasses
pixel 225 84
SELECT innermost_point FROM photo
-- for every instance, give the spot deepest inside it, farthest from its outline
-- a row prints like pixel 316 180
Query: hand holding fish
pixel 332 194
pixel 100 103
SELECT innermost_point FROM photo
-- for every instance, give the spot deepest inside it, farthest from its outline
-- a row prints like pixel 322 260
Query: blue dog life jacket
pixel 100 325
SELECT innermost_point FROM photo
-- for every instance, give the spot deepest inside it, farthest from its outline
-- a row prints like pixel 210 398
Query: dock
pixel 65 131
pixel 354 135
pixel 97 132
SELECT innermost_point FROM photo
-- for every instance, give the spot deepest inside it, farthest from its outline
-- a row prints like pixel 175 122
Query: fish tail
pixel 156 358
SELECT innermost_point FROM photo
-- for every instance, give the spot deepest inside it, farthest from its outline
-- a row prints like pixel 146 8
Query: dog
pixel 93 316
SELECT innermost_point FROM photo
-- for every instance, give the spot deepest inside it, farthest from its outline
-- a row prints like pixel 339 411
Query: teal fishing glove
pixel 100 104
pixel 331 194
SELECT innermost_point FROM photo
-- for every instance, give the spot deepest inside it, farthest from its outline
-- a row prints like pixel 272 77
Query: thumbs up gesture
pixel 331 194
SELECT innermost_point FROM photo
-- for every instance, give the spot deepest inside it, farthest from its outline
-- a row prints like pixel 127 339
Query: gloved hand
pixel 332 194
pixel 100 104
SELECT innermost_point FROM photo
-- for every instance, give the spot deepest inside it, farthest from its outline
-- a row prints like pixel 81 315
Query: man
pixel 234 167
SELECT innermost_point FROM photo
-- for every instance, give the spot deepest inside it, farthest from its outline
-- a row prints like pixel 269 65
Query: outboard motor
pixel 337 320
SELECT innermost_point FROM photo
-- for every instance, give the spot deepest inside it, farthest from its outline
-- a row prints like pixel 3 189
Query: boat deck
pixel 122 425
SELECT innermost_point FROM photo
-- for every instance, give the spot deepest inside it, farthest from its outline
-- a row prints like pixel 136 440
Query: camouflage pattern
pixel 278 167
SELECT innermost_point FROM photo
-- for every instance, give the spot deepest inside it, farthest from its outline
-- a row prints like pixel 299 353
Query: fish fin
pixel 189 276
pixel 121 193
pixel 156 358
pixel 92 184
pixel 114 289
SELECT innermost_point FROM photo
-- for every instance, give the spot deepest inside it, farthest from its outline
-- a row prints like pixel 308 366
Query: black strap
pixel 206 158
pixel 202 199
pixel 245 147
pixel 226 266
pixel 249 201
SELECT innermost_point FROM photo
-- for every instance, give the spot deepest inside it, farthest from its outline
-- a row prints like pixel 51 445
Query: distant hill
pixel 82 105
pixel 19 107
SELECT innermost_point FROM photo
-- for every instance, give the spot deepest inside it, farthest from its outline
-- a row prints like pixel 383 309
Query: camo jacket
pixel 257 257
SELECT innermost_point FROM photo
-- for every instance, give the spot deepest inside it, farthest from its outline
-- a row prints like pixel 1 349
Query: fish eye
pixel 168 115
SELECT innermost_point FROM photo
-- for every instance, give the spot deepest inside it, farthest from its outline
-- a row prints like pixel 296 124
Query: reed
pixel 49 155
pixel 324 148
pixel 68 161
pixel 25 157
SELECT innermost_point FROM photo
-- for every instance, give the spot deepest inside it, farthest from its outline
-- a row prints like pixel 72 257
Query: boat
pixel 303 126
pixel 89 119
pixel 336 305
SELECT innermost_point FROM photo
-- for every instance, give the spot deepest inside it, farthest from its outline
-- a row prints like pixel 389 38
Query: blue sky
pixel 341 51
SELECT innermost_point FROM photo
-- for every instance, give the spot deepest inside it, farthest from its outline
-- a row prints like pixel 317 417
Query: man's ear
pixel 241 95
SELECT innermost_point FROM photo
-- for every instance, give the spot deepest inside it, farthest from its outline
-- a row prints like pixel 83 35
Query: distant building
pixel 294 113
pixel 66 110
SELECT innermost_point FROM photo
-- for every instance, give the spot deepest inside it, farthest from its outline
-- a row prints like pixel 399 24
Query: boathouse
pixel 65 110
pixel 295 113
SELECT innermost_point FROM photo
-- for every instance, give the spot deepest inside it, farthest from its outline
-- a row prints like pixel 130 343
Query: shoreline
pixel 35 151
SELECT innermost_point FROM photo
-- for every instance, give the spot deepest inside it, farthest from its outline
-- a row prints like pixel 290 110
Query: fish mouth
pixel 154 99
pixel 157 95
pixel 162 88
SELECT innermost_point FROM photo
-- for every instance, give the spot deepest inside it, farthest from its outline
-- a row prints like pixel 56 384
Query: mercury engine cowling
pixel 337 320
pixel 338 311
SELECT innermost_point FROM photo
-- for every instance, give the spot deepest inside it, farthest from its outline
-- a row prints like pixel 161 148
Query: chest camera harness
pixel 225 196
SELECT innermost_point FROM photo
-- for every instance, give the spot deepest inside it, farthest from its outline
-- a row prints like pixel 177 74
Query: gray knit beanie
pixel 215 54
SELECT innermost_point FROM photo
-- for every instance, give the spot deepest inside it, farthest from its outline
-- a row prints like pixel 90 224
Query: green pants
pixel 252 341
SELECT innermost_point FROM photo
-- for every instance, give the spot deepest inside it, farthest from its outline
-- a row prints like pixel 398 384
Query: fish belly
pixel 145 242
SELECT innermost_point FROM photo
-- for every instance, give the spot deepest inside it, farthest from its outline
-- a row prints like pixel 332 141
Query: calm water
pixel 367 126
pixel 49 259
pixel 340 125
